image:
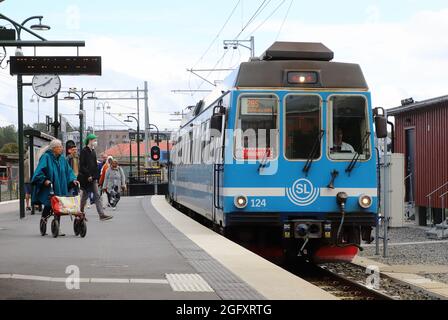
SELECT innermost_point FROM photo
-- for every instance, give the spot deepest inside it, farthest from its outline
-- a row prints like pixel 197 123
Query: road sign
pixel 72 66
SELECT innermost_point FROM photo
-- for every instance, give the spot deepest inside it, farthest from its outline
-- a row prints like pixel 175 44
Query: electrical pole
pixel 147 127
pixel 386 200
pixel 56 123
pixel 81 119
pixel 21 151
pixel 138 134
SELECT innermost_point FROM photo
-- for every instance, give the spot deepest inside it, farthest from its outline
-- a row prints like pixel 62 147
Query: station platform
pixel 149 251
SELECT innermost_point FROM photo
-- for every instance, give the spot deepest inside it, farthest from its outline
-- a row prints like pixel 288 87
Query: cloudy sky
pixel 401 45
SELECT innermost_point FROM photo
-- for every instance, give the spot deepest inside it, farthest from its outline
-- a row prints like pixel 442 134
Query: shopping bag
pixel 66 205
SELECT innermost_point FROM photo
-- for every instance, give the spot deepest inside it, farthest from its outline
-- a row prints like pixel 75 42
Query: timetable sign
pixel 68 66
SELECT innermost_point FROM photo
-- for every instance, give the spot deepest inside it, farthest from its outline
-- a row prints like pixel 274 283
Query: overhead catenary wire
pixel 257 12
pixel 212 43
pixel 268 17
pixel 219 33
pixel 284 20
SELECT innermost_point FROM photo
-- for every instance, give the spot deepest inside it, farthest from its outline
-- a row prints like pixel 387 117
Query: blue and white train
pixel 283 153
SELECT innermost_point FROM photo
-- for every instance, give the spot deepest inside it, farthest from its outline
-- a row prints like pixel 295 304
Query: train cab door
pixel 218 125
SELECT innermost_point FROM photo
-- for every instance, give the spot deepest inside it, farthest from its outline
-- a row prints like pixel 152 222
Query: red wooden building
pixel 421 134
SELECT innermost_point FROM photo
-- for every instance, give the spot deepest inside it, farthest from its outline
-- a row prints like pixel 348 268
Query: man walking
pixel 89 176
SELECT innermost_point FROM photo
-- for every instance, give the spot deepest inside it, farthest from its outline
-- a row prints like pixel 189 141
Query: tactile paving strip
pixel 188 283
pixel 225 283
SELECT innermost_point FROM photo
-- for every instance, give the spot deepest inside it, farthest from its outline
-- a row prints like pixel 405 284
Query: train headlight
pixel 241 202
pixel 365 201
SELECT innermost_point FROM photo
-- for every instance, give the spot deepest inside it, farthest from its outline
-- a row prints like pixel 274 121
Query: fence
pixel 9 190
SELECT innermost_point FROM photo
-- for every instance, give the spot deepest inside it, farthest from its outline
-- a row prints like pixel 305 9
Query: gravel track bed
pixel 440 277
pixel 389 286
pixel 434 253
pixel 429 254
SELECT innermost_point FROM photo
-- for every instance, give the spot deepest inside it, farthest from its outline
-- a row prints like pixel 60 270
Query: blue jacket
pixel 58 171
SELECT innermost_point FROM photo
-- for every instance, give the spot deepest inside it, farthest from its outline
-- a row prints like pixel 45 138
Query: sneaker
pixel 28 209
pixel 105 217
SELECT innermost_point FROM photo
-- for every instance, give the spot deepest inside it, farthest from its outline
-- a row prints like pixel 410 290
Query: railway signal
pixel 155 153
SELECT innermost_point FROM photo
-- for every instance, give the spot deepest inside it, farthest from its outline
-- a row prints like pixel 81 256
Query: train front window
pixel 257 128
pixel 349 129
pixel 303 127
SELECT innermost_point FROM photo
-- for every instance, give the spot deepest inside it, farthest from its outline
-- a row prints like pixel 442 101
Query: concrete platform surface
pixel 268 279
pixel 112 257
pixel 149 251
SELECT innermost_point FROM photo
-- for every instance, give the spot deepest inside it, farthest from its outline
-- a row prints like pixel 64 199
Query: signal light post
pixel 155 153
pixel 138 143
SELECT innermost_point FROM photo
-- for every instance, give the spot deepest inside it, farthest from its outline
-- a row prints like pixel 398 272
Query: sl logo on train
pixel 303 193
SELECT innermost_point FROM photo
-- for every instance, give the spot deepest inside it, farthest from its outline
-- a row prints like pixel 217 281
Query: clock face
pixel 46 86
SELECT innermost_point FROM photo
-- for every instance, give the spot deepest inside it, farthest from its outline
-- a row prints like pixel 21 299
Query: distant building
pixel 110 138
pixel 421 134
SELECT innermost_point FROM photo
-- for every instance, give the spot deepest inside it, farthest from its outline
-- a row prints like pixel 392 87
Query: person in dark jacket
pixel 52 170
pixel 72 156
pixel 89 176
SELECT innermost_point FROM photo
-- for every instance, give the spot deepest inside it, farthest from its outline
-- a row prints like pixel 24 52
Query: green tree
pixel 10 148
pixel 8 135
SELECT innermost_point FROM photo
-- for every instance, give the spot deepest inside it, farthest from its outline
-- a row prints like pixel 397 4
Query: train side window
pixel 256 135
pixel 303 126
pixel 203 141
pixel 179 148
pixel 349 128
pixel 190 147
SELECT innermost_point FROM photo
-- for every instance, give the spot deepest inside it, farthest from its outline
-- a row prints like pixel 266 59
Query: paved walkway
pixel 125 258
pixel 148 251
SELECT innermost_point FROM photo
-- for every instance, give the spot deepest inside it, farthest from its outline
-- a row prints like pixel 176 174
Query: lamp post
pixel 19 27
pixel 130 155
pixel 36 98
pixel 138 143
pixel 105 106
pixel 80 96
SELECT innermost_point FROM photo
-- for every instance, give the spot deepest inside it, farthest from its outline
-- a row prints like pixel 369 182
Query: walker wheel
pixel 83 229
pixel 55 228
pixel 76 227
pixel 43 227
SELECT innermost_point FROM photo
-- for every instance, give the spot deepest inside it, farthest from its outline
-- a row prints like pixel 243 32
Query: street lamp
pixel 105 106
pixel 138 143
pixel 74 95
pixel 37 98
pixel 20 129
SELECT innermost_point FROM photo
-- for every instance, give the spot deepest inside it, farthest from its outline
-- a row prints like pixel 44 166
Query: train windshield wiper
pixel 355 159
pixel 313 152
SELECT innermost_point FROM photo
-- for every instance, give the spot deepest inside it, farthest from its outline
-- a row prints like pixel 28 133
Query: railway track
pixel 346 281
pixel 343 287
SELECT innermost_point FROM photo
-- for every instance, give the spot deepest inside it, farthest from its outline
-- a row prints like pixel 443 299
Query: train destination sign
pixel 70 66
pixel 258 106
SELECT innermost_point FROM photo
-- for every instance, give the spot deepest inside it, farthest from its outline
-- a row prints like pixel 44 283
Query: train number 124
pixel 258 203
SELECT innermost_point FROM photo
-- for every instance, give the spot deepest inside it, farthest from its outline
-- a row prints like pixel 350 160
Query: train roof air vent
pixel 298 51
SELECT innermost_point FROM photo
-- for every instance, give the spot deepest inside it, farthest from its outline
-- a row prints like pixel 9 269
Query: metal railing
pixel 443 212
pixel 429 196
pixel 9 190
